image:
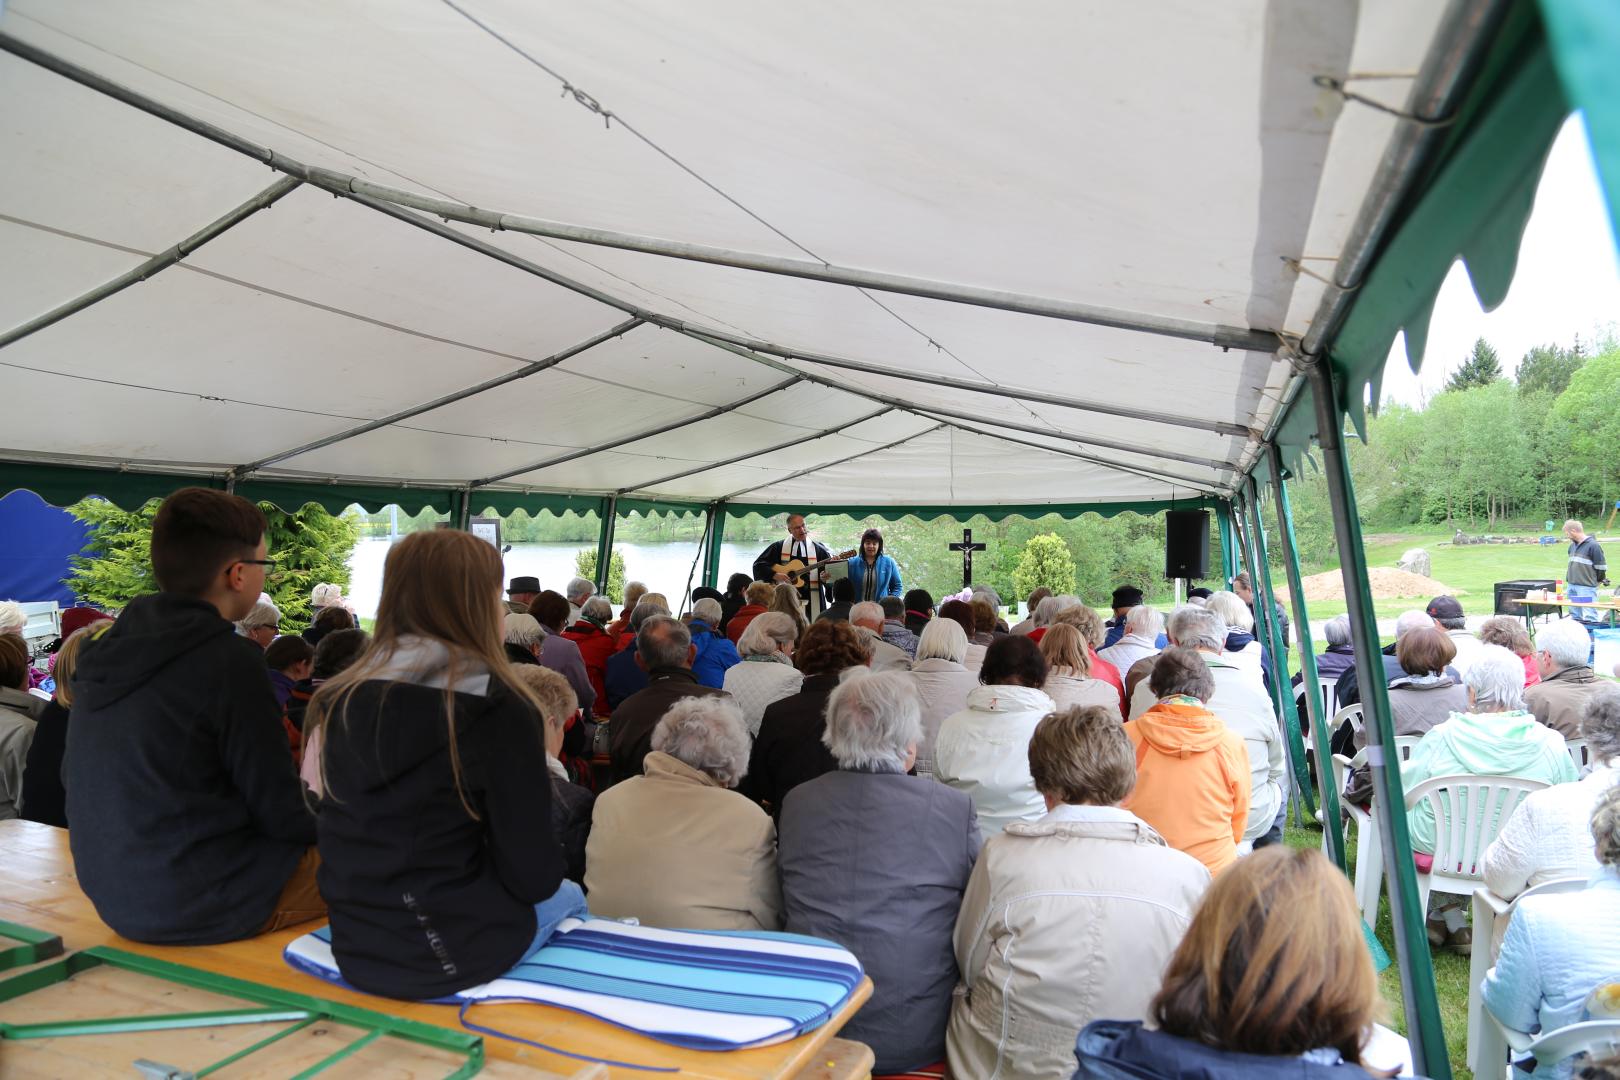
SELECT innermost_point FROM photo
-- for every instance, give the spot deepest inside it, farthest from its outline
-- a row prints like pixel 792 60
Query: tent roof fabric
pixel 1181 164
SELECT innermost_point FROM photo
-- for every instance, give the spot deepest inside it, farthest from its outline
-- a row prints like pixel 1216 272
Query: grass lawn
pixel 1450 969
pixel 1471 571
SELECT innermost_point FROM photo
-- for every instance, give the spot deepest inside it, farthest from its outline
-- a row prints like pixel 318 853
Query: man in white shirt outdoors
pixel 1447 614
pixel 1245 708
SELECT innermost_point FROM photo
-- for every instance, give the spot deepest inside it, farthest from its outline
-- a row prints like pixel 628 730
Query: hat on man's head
pixel 1444 607
pixel 1127 596
pixel 1200 593
pixel 78 618
pixel 523 584
pixel 703 592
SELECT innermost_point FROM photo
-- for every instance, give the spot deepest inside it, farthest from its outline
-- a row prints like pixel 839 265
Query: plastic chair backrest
pixel 1468 813
pixel 1405 744
pixel 1556 885
pixel 1599 1038
pixel 1351 713
pixel 1330 695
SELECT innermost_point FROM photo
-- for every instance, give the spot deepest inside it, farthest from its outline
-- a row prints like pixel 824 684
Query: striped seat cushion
pixel 701 989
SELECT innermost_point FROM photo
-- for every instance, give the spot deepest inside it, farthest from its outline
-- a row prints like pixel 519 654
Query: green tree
pixel 1045 561
pixel 1587 409
pixel 310 546
pixel 585 566
pixel 1548 368
pixel 1482 367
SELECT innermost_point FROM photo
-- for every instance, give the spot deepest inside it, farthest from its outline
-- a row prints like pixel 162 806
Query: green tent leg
pixel 1282 699
pixel 1328 795
pixel 711 556
pixel 604 542
pixel 1423 1029
pixel 1229 553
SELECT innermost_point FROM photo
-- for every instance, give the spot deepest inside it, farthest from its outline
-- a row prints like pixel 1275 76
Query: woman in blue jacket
pixel 874 574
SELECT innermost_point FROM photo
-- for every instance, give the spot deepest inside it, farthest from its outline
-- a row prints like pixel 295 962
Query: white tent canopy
pixel 1153 177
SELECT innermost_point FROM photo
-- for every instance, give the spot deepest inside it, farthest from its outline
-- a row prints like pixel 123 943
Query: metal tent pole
pixel 1282 700
pixel 156 264
pixel 464 509
pixel 1327 793
pixel 711 563
pixel 604 541
pixel 1423 1027
pixel 448 399
pixel 1229 552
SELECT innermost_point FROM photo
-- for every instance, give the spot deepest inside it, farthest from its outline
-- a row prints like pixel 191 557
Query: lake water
pixel 664 567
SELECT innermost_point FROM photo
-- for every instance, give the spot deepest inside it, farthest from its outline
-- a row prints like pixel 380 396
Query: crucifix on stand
pixel 967 547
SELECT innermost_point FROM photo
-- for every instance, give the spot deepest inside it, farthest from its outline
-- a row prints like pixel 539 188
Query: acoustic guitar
pixel 798 571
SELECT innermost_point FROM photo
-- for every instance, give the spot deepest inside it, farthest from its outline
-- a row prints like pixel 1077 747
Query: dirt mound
pixel 1387 584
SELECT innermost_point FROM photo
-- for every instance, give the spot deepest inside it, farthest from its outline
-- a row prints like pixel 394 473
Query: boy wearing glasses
pixel 189 823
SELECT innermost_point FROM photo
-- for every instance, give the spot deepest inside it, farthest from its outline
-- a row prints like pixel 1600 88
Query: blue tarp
pixel 36 541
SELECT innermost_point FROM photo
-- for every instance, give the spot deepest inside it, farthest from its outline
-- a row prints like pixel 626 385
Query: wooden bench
pixel 38 888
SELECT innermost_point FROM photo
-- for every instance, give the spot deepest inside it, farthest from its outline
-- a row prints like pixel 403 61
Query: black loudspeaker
pixel 1186 544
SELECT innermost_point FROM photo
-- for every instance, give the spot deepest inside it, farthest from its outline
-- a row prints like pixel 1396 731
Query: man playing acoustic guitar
pixel 798 547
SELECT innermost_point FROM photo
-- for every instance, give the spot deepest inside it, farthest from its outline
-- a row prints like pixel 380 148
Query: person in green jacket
pixel 1495 737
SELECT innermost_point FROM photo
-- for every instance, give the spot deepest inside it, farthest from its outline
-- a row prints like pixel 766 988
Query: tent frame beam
pixel 756 453
pixel 1080 405
pixel 625 440
pixel 830 464
pixel 157 263
pixel 533 368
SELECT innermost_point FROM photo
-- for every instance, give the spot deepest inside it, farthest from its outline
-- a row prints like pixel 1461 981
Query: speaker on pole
pixel 1186 544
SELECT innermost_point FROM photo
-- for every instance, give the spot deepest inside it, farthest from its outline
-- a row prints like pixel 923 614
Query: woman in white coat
pixel 984 749
pixel 942 681
pixel 767 673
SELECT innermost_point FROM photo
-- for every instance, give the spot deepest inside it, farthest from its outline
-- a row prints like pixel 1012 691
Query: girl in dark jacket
pixel 438 863
pixel 1272 982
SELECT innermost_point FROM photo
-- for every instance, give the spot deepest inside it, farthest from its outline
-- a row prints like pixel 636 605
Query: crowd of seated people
pixel 951 799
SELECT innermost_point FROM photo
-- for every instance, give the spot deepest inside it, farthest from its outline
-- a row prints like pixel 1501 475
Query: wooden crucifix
pixel 967 547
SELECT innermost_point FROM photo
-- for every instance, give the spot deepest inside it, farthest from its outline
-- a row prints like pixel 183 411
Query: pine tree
pixel 1548 368
pixel 585 566
pixel 1045 561
pixel 309 545
pixel 1482 368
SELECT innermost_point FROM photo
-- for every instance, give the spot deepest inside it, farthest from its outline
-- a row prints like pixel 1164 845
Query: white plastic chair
pixel 1598 1038
pixel 1581 754
pixel 1369 877
pixel 1330 695
pixel 1491 912
pixel 1468 813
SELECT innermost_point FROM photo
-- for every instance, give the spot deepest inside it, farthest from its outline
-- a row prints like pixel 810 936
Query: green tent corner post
pixel 1423 1028
pixel 274 1006
pixel 711 555
pixel 604 542
pixel 1327 793
pixel 36 945
pixel 1265 612
pixel 1229 552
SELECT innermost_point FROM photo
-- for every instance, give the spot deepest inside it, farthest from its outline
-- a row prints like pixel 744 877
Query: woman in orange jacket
pixel 1192 774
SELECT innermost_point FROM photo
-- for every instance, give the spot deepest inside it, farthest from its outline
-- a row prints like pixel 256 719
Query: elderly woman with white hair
pixel 1144 626
pixel 766 672
pixel 262 623
pixel 677 847
pixel 942 681
pixel 1562 949
pixel 897 911
pixel 1495 737
pixel 1546 836
pixel 1340 655
pixel 534 638
pixel 715 653
pixel 1242 649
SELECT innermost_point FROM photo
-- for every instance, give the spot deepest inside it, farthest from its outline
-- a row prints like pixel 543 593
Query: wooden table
pixel 38 888
pixel 1612 607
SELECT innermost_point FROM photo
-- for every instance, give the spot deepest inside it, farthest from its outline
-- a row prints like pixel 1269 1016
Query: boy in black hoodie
pixel 189 824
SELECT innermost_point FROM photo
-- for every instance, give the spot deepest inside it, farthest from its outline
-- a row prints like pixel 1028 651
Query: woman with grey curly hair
pixel 1546 837
pixel 676 847
pixel 1561 948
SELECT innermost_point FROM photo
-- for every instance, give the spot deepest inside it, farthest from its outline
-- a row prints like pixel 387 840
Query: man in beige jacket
pixel 1559 699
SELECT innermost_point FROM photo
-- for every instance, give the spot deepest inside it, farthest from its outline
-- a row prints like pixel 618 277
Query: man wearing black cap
pixel 1447 614
pixel 1125 598
pixel 520 592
